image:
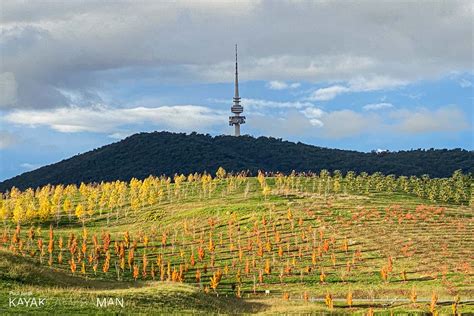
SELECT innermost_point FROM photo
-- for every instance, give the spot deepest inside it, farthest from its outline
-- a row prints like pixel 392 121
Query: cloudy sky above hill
pixel 363 75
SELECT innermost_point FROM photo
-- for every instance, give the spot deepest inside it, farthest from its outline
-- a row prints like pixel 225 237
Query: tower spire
pixel 236 75
pixel 236 108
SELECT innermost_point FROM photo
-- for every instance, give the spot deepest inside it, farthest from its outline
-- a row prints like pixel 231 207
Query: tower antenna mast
pixel 236 120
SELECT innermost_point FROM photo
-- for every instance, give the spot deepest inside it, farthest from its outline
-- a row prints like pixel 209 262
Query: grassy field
pixel 291 251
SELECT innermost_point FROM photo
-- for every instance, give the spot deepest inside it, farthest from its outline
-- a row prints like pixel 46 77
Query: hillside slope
pixel 78 295
pixel 167 153
pixel 270 248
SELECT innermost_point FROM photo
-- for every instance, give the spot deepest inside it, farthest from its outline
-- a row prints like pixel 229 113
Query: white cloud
pixel 377 106
pixel 329 93
pixel 53 47
pixel 444 119
pixel 315 68
pixel 340 123
pixel 293 118
pixel 373 83
pixel 104 119
pixel 358 84
pixel 262 104
pixel 314 115
pixel 258 103
pixel 281 85
pixel 347 123
pixel 119 135
pixel 28 166
pixel 316 123
pixel 293 124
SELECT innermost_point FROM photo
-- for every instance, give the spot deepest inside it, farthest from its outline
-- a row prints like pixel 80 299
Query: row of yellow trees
pixel 109 198
pixel 117 199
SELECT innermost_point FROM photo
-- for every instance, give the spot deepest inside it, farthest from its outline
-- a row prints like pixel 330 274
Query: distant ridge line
pixel 159 153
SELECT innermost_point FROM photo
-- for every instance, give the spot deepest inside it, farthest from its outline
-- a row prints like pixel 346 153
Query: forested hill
pixel 168 153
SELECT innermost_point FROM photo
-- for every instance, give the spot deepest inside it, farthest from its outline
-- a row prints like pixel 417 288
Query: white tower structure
pixel 236 108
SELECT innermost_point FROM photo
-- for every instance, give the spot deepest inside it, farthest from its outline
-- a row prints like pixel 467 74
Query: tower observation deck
pixel 236 108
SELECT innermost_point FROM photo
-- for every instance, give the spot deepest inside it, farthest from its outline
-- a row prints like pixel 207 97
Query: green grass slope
pixel 67 294
pixel 429 243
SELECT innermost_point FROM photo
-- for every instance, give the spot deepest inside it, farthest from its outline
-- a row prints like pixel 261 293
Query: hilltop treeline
pixel 158 153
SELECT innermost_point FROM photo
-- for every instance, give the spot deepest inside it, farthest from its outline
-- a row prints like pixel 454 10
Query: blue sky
pixel 76 76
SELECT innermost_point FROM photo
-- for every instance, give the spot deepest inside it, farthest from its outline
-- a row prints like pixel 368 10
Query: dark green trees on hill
pixel 160 153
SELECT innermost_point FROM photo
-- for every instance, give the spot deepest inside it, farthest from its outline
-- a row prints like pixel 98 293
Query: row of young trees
pixel 456 189
pixel 117 199
pixel 113 199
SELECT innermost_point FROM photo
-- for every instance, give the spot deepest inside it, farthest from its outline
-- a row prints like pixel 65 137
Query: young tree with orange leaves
pixel 216 279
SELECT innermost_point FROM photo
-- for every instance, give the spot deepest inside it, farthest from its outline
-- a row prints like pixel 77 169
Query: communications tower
pixel 236 108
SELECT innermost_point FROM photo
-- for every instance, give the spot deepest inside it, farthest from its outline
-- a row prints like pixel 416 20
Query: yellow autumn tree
pixel 152 193
pixel 113 202
pixel 178 180
pixel 70 192
pixel 5 210
pixel 135 185
pixel 56 202
pixel 19 214
pixel 104 197
pixel 121 188
pixel 67 207
pixel 81 212
pixel 92 200
pixel 221 173
pixel 83 189
pixel 143 191
pixel 266 191
pixel 30 204
pixel 44 210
